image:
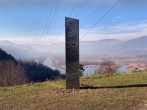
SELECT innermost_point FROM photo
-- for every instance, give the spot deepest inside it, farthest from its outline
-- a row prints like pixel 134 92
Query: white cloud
pixel 122 32
pixel 117 17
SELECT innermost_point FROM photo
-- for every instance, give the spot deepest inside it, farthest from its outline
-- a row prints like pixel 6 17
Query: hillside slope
pixel 116 92
pixel 6 57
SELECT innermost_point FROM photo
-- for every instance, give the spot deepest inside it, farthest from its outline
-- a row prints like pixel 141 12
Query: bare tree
pixel 106 67
pixel 11 74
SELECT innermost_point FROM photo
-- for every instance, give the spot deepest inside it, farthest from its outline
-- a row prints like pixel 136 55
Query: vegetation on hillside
pixel 11 74
pixel 14 72
pixel 37 72
pixel 6 57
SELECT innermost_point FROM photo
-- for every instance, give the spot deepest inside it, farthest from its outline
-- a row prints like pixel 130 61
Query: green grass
pixel 49 96
pixel 31 88
pixel 118 79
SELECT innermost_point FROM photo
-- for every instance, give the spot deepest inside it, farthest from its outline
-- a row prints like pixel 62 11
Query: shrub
pixel 107 67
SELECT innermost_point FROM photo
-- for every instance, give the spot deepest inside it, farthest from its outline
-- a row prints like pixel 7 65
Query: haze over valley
pixel 132 53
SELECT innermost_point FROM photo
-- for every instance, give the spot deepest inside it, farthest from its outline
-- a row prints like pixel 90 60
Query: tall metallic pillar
pixel 72 53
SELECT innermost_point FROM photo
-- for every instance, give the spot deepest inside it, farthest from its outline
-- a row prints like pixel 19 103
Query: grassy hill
pixel 116 92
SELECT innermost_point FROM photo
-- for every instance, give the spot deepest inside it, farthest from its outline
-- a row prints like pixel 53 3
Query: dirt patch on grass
pixel 142 105
pixel 70 91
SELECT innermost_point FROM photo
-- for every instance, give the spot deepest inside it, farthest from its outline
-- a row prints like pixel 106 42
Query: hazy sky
pixel 23 21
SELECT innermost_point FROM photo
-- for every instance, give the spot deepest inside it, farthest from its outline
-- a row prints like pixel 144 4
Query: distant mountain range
pixel 134 47
pixel 111 47
pixel 19 51
pixel 103 48
pixel 138 43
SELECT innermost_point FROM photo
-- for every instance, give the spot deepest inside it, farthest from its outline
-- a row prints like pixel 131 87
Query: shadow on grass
pixel 105 87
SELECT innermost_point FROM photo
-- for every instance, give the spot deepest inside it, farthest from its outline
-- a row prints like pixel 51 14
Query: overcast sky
pixel 23 21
